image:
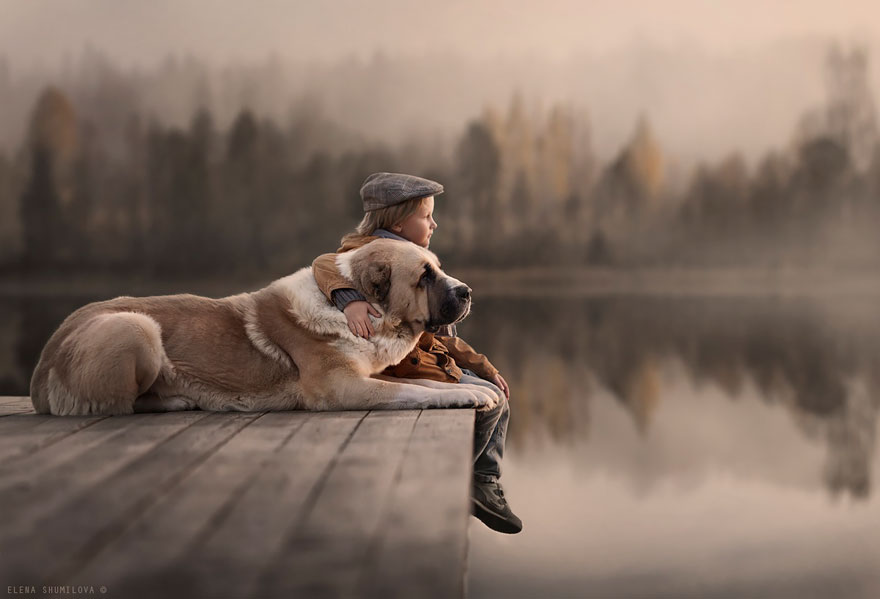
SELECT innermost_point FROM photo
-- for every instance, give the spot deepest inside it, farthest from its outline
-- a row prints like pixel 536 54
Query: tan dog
pixel 283 347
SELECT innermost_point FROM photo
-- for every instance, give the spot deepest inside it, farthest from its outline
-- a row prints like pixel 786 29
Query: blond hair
pixel 385 218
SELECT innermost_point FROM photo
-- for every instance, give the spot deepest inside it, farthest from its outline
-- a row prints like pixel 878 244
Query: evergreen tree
pixel 477 178
pixel 178 183
pixel 817 185
pixel 9 222
pixel 40 213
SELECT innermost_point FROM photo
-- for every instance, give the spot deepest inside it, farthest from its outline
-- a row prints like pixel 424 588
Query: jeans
pixel 490 430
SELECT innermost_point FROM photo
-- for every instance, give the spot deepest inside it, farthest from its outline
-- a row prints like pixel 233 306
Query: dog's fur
pixel 280 348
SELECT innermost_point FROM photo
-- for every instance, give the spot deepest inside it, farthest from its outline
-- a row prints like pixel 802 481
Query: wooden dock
pixel 201 504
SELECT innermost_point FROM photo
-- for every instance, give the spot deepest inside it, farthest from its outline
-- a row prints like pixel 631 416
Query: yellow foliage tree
pixel 53 130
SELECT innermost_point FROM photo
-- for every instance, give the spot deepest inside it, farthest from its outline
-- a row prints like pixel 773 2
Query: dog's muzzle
pixel 455 307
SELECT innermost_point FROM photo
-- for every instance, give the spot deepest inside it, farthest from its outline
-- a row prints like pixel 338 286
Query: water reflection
pixel 817 361
pixel 681 447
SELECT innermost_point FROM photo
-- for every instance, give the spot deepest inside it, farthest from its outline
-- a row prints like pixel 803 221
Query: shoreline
pixel 520 282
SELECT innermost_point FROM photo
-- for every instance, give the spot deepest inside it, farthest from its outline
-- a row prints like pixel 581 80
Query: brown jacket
pixel 435 357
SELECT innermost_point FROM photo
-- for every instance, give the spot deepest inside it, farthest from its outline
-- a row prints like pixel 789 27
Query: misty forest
pixel 183 174
pixel 99 183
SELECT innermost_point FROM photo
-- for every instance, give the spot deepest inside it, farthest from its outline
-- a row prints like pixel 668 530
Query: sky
pixel 135 32
pixel 713 76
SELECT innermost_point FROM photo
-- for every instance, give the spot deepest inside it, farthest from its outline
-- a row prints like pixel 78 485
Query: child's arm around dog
pixel 339 291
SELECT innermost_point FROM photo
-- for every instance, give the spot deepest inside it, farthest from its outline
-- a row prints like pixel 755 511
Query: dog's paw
pixel 456 398
pixel 467 396
pixel 485 400
pixel 490 404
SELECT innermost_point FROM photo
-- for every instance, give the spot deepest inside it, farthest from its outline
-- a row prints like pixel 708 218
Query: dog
pixel 283 347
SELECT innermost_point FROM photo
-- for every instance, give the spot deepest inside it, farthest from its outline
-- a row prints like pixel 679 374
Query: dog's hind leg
pixel 106 364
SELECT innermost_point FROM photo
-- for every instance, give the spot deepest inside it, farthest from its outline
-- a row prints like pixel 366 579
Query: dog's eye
pixel 428 275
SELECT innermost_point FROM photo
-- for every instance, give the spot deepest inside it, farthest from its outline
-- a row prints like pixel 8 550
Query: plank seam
pixel 309 506
pixel 13 472
pixel 315 492
pixel 375 544
pixel 113 531
pixel 43 444
pixel 5 414
pixel 214 523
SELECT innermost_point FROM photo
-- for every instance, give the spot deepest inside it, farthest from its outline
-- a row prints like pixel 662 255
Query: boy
pixel 401 207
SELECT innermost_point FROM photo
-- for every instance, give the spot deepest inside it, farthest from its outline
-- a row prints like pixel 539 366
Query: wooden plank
pixel 160 536
pixel 16 400
pixel 33 466
pixel 15 405
pixel 243 546
pixel 10 410
pixel 38 484
pixel 15 424
pixel 273 505
pixel 57 545
pixel 424 527
pixel 24 435
pixel 326 553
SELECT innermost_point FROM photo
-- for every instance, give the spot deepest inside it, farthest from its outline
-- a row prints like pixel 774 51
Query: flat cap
pixel 381 190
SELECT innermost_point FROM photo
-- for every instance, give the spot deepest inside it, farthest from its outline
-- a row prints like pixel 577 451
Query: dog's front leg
pixel 431 384
pixel 362 393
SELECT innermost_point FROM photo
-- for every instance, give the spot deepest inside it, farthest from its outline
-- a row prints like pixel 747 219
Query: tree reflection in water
pixel 819 361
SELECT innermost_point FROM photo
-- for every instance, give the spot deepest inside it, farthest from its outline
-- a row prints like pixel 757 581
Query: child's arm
pixel 339 290
pixel 467 357
pixel 329 279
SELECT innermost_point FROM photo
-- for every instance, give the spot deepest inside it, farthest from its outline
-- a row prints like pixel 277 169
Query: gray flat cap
pixel 381 190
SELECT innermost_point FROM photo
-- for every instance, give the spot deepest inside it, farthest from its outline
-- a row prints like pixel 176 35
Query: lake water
pixel 681 447
pixel 660 446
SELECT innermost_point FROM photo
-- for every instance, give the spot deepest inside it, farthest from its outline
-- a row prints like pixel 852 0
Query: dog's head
pixel 408 283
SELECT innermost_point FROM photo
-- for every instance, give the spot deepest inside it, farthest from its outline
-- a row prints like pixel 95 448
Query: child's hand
pixel 502 384
pixel 357 314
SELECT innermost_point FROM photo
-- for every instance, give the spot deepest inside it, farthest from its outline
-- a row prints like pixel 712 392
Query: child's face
pixel 418 226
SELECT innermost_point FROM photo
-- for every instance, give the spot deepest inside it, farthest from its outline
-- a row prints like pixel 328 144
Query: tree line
pixel 523 187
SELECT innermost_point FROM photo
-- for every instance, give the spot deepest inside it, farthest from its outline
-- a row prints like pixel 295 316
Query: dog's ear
pixel 376 280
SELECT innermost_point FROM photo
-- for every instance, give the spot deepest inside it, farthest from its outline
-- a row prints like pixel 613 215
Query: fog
pixel 713 77
pixel 142 32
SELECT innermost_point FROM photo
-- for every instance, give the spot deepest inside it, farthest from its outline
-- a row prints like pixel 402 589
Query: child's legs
pixel 490 431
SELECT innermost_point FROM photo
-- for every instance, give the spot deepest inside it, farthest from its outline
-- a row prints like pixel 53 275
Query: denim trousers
pixel 490 431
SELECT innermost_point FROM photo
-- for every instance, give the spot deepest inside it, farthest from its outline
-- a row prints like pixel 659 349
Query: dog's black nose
pixel 463 292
